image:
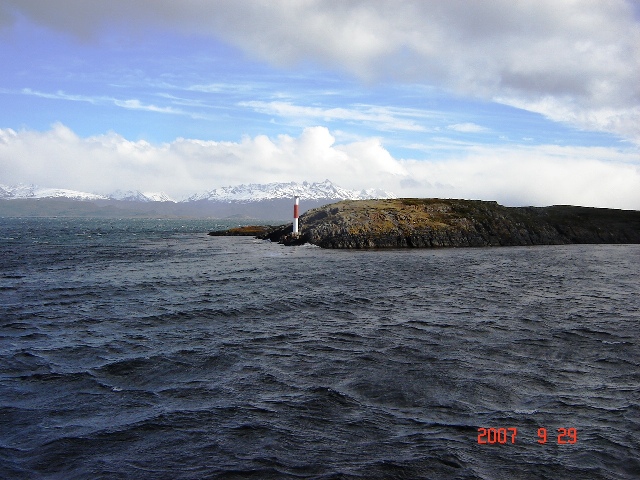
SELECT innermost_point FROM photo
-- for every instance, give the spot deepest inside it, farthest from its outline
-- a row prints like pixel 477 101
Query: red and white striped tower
pixel 296 202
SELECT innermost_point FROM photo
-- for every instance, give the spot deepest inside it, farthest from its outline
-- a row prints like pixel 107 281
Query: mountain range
pixel 261 201
pixel 305 190
pixel 252 192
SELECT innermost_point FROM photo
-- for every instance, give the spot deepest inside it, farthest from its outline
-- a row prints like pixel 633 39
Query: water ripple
pixel 154 351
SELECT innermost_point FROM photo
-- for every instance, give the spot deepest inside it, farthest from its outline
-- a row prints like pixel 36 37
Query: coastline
pixel 437 223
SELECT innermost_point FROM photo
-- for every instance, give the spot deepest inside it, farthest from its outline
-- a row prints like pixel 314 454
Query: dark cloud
pixel 576 61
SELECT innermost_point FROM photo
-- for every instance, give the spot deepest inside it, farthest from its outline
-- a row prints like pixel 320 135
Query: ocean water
pixel 146 349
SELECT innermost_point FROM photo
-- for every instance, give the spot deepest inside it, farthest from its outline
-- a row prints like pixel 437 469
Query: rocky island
pixel 432 222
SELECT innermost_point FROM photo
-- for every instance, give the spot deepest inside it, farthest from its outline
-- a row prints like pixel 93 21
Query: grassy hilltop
pixel 416 222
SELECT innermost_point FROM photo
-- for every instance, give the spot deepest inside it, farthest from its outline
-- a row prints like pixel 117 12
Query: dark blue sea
pixel 145 349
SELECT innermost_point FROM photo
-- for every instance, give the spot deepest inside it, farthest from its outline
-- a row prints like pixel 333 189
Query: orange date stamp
pixel 501 436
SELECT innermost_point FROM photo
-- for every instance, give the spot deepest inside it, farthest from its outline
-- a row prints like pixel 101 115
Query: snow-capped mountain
pixel 270 201
pixel 22 191
pixel 138 196
pixel 270 191
pixel 33 191
pixel 253 192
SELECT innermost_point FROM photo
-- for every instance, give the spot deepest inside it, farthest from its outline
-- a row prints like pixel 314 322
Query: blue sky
pixel 535 103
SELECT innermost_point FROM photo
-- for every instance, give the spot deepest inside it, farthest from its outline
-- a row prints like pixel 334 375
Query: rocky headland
pixel 247 231
pixel 428 223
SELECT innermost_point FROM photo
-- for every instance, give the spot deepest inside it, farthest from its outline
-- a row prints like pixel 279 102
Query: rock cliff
pixel 416 222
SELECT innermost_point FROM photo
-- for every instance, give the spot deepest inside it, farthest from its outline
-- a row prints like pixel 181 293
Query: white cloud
pixel 576 62
pixel 129 104
pixel 224 87
pixel 59 158
pixel 513 175
pixel 135 104
pixel 59 95
pixel 573 61
pixel 534 175
pixel 624 120
pixel 467 128
pixel 382 118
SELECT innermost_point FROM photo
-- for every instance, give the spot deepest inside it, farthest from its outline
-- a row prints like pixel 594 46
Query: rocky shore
pixel 428 223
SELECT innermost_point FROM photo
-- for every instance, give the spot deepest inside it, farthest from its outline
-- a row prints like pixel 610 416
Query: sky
pixel 534 102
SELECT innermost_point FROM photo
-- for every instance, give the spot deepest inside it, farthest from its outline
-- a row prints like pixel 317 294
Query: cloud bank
pixel 576 62
pixel 513 175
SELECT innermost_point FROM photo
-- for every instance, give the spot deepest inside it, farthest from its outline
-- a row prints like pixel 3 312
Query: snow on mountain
pixel 233 194
pixel 158 197
pixel 5 192
pixel 22 191
pixel 138 196
pixel 305 190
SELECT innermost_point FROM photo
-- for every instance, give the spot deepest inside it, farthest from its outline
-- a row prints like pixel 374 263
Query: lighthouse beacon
pixel 296 202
